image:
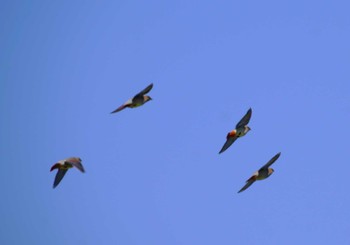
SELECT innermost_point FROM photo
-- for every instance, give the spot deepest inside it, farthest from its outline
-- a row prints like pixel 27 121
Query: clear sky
pixel 153 174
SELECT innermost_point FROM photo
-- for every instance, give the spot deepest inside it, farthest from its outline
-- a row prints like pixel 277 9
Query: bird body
pixel 63 166
pixel 263 173
pixel 138 100
pixel 240 130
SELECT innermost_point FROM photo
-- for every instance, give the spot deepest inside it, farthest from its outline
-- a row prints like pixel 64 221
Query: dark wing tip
pixel 276 156
pixel 54 167
pixel 272 160
pixel 59 176
pixel 248 183
pixel 146 90
pixel 245 119
pixel 249 112
pixel 227 144
pixel 242 189
pixel 223 149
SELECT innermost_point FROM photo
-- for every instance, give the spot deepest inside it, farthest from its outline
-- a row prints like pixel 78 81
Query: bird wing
pixel 59 176
pixel 228 143
pixel 56 165
pixel 145 91
pixel 245 119
pixel 272 160
pixel 76 162
pixel 249 182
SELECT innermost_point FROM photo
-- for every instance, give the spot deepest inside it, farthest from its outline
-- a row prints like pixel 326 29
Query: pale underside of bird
pixel 263 173
pixel 240 130
pixel 138 100
pixel 63 166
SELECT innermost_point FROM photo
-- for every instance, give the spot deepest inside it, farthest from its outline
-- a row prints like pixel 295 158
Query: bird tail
pixel 119 109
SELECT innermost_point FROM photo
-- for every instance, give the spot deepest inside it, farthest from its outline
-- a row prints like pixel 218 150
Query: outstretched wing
pixel 76 162
pixel 248 183
pixel 245 120
pixel 145 91
pixel 59 176
pixel 228 143
pixel 272 160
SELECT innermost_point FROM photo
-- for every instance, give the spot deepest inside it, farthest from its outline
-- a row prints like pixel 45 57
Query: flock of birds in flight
pixel 141 98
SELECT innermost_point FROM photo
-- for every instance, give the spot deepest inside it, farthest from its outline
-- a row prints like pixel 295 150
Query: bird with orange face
pixel 63 167
pixel 263 173
pixel 240 130
pixel 138 100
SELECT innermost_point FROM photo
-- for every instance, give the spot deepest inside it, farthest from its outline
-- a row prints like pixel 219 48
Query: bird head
pixel 147 98
pixel 271 171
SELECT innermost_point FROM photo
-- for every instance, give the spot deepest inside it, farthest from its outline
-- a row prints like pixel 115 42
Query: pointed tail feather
pixel 119 109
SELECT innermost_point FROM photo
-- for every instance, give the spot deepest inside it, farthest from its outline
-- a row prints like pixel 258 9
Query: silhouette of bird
pixel 263 173
pixel 63 167
pixel 138 100
pixel 240 130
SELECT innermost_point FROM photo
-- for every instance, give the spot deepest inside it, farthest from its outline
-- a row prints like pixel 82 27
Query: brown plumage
pixel 63 166
pixel 240 130
pixel 263 173
pixel 138 100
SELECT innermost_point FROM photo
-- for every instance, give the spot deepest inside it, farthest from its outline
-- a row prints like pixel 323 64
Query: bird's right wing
pixel 59 176
pixel 272 160
pixel 228 143
pixel 76 162
pixel 245 119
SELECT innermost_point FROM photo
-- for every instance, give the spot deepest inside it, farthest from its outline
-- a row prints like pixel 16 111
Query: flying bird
pixel 63 167
pixel 263 173
pixel 240 130
pixel 138 100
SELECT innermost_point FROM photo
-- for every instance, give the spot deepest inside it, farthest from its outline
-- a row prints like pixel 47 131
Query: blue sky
pixel 153 174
